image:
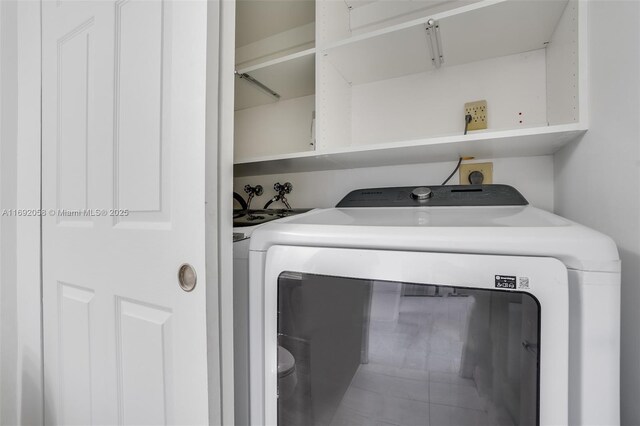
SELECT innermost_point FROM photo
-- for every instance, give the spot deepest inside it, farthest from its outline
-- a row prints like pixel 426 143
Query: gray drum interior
pixel 391 353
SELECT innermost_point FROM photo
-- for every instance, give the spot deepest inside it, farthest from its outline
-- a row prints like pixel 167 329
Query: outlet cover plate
pixel 478 111
pixel 485 168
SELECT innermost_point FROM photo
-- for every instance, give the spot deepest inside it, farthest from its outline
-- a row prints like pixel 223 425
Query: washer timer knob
pixel 421 193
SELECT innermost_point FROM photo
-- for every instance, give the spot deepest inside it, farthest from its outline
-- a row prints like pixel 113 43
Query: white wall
pixel 532 176
pixel 598 179
pixel 8 289
pixel 29 387
pixel 425 104
pixel 20 353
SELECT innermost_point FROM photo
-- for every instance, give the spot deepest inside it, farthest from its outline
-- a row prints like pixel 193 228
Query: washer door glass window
pixel 362 352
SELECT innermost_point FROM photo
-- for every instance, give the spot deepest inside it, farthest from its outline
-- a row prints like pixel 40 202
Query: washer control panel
pixel 448 195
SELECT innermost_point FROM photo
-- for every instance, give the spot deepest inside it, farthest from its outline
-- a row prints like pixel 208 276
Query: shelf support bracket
pixel 432 28
pixel 258 84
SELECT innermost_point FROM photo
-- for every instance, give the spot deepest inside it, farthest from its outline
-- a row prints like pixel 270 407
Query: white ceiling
pixel 258 19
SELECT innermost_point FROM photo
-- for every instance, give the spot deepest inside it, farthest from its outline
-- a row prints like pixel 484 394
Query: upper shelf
pixel 272 29
pixel 497 144
pixel 291 77
pixel 483 30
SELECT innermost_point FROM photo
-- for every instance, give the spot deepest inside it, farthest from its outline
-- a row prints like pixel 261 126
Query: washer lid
pixel 501 230
pixel 430 217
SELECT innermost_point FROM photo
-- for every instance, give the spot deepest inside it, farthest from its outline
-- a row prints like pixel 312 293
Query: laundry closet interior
pixel 335 96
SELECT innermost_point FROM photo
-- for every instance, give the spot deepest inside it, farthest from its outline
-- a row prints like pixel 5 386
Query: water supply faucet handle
pixel 253 190
pixel 283 189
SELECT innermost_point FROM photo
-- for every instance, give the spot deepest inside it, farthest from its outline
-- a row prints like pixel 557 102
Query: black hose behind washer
pixel 240 200
pixel 266 206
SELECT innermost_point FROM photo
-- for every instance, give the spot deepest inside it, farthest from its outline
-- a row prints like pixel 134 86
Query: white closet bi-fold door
pixel 124 131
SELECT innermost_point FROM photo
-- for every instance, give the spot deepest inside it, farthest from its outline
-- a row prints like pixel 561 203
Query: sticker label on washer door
pixel 506 281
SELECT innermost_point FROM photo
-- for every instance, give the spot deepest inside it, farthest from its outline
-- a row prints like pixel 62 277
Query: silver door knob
pixel 187 277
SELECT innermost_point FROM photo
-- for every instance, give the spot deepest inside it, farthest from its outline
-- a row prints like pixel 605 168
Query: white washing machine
pixel 245 222
pixel 447 305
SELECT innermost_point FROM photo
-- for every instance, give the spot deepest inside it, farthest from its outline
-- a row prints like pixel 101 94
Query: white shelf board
pixel 493 144
pixel 276 46
pixel 483 30
pixel 291 76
